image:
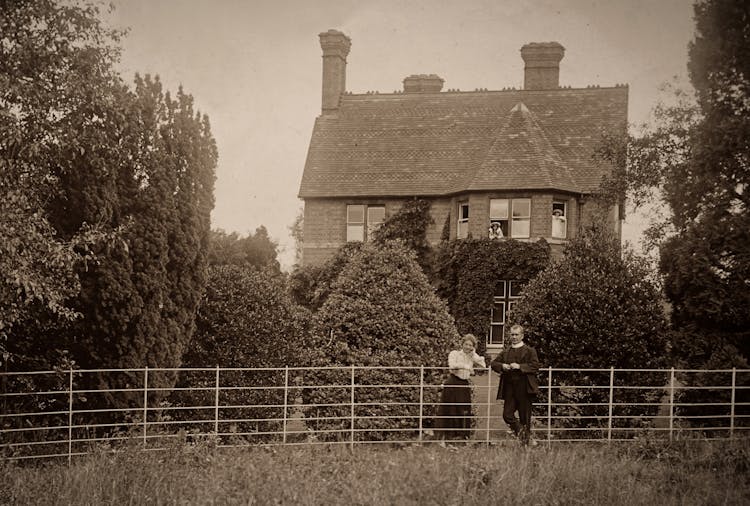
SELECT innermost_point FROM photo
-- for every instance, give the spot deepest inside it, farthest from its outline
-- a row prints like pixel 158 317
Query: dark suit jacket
pixel 529 366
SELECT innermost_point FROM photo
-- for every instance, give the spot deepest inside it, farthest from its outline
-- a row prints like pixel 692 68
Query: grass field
pixel 647 472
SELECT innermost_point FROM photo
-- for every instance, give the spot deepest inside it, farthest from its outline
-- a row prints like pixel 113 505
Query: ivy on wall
pixel 465 273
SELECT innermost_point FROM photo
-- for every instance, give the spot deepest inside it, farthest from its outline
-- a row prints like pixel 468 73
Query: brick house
pixel 504 164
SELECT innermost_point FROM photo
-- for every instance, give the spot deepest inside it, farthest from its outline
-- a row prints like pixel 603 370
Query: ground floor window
pixel 505 297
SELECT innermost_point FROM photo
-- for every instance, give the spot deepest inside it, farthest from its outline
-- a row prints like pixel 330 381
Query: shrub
pixel 381 311
pixel 246 319
pixel 596 308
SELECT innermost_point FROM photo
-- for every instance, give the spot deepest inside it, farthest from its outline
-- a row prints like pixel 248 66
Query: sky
pixel 254 67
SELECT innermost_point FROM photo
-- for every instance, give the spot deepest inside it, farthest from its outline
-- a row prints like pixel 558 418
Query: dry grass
pixel 649 472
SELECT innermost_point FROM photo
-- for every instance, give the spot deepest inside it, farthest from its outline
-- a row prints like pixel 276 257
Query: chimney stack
pixel 423 83
pixel 335 47
pixel 542 70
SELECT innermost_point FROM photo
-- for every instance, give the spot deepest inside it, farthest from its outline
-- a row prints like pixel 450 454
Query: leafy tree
pixel 55 63
pixel 694 163
pixel 137 164
pixel 296 229
pixel 381 311
pixel 257 250
pixel 246 320
pixel 311 285
pixel 595 308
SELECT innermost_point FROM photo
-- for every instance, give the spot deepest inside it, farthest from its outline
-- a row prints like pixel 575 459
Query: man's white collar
pixel 518 345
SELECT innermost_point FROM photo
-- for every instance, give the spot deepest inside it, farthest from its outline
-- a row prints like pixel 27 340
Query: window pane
pixel 521 208
pixel 559 222
pixel 355 232
pixel 516 287
pixel 520 228
pixel 498 312
pixel 496 334
pixel 355 214
pixel 499 289
pixel 463 212
pixel 375 215
pixel 498 209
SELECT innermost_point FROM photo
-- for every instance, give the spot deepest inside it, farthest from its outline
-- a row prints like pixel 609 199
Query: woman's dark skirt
pixel 454 414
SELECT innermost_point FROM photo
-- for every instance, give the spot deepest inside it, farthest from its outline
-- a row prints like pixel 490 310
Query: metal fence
pixel 62 414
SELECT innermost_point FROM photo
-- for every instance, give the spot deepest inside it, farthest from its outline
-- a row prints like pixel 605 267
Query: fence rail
pixel 62 414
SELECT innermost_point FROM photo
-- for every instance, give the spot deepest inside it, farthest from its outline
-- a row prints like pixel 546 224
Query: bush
pixel 246 319
pixel 381 311
pixel 596 308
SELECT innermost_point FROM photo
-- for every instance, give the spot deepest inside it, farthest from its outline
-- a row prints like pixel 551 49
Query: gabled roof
pixel 431 144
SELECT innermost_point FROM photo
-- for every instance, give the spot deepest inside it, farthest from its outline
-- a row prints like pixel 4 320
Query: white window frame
pixel 507 294
pixel 500 217
pixel 517 219
pixel 373 225
pixel 355 228
pixel 557 204
pixel 462 226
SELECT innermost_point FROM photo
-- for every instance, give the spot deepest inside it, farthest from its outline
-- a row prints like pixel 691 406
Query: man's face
pixel 516 336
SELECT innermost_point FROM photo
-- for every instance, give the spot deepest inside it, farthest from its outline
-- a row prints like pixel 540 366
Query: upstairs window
pixel 520 226
pixel 515 225
pixel 498 218
pixel 357 227
pixel 462 232
pixel 355 223
pixel 375 218
pixel 559 220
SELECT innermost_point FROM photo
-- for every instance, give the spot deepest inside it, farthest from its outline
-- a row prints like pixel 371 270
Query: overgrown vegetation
pixel 685 473
pixel 467 271
pixel 381 311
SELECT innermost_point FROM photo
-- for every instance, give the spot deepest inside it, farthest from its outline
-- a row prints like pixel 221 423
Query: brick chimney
pixel 335 47
pixel 423 83
pixel 542 70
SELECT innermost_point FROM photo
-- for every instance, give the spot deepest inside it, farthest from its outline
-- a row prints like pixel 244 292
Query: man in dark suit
pixel 519 385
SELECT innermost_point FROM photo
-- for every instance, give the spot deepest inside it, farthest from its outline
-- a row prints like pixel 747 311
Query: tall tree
pixel 694 162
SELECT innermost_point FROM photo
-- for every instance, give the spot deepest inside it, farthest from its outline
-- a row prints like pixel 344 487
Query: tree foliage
pixel 246 319
pixel 409 224
pixel 135 163
pixel 55 61
pixel 695 162
pixel 255 250
pixel 596 308
pixel 381 311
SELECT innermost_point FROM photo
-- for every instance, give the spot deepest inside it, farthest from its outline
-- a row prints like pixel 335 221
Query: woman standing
pixel 454 414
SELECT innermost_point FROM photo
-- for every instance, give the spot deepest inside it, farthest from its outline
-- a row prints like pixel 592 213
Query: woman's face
pixel 467 346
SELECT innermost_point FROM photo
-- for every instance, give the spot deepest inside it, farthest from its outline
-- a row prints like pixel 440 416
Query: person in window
pixel 495 231
pixel 519 385
pixel 454 414
pixel 558 223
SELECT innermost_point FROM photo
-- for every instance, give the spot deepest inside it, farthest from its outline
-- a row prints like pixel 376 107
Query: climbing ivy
pixel 466 271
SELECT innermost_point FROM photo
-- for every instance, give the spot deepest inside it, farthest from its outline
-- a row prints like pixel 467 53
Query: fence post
pixel 489 402
pixel 421 398
pixel 671 402
pixel 549 407
pixel 70 415
pixel 351 442
pixel 611 399
pixel 216 404
pixel 145 404
pixel 286 397
pixel 734 389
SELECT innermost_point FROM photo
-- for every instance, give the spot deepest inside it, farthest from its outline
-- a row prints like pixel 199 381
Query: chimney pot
pixel 542 65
